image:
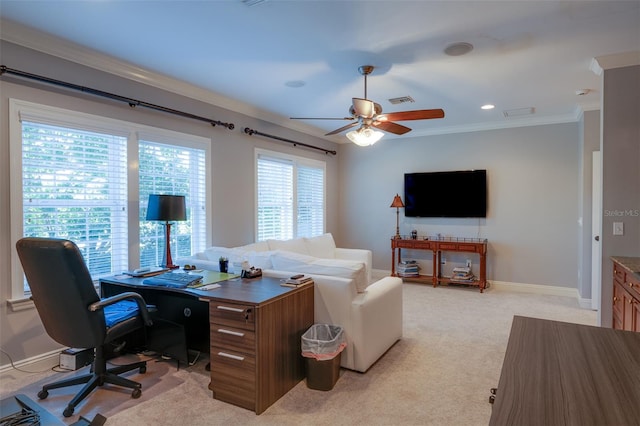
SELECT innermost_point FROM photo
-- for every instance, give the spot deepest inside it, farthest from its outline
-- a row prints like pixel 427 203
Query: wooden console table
pixel 558 373
pixel 437 246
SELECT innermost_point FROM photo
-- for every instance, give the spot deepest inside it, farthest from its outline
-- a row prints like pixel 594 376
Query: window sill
pixel 20 304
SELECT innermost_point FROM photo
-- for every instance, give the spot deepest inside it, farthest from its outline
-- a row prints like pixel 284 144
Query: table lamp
pixel 167 208
pixel 397 203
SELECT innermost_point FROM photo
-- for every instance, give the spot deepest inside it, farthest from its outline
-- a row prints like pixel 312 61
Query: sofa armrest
pixel 377 321
pixel 360 255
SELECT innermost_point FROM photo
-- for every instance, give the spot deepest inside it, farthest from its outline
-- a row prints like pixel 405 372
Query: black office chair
pixel 74 315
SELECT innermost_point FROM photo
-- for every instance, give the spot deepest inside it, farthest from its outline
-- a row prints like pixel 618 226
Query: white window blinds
pixel 290 197
pixel 175 170
pixel 74 186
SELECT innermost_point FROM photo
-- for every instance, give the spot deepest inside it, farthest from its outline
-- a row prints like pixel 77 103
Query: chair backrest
pixel 62 290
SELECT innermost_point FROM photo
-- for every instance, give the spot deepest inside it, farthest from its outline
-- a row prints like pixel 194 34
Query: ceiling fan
pixel 368 115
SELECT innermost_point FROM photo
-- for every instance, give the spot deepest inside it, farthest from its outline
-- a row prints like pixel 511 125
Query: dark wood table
pixel 557 373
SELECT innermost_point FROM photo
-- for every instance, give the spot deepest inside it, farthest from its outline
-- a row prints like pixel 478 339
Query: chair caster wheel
pixel 67 412
pixel 136 393
pixel 143 369
pixel 43 394
pixel 492 399
pixel 493 391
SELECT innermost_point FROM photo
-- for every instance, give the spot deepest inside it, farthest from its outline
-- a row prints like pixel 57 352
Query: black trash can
pixel 322 346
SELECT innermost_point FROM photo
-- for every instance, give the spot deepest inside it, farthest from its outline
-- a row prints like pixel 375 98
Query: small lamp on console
pixel 167 208
pixel 397 203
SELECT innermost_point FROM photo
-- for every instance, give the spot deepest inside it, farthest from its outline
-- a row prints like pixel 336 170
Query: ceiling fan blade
pixel 391 127
pixel 363 107
pixel 419 114
pixel 342 129
pixel 321 118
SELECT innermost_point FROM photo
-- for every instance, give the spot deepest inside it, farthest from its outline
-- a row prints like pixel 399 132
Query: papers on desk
pixel 208 287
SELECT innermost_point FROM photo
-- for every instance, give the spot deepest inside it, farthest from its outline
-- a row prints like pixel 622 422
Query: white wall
pixel 533 209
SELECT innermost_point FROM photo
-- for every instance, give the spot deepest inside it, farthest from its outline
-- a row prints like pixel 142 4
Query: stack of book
pixel 408 268
pixel 462 275
pixel 296 282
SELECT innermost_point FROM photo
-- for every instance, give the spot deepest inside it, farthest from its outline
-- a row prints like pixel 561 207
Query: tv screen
pixel 446 194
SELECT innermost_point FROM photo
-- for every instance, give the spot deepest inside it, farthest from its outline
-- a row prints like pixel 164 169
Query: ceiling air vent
pixel 518 112
pixel 401 100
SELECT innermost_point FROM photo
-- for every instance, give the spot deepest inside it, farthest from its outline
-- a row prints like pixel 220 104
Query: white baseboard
pixel 40 362
pixel 535 288
pixel 521 288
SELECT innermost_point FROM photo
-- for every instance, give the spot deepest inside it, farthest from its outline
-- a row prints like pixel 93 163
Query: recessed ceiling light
pixel 295 83
pixel 488 106
pixel 458 49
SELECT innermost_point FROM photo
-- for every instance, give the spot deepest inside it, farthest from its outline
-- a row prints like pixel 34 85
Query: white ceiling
pixel 526 53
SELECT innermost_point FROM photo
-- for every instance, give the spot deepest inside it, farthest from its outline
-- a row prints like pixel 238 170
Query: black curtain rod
pixel 251 132
pixel 132 102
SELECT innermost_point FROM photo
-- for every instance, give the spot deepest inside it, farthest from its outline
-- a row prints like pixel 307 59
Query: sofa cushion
pixel 296 245
pixel 322 246
pixel 296 262
pixel 259 246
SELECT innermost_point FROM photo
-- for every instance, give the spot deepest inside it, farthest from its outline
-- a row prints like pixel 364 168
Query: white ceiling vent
pixel 518 112
pixel 401 100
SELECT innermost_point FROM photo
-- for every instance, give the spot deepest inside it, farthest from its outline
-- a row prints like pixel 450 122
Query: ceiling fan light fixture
pixel 364 136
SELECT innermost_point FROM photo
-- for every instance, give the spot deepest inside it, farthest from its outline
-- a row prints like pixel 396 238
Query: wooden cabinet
pixel 626 294
pixel 255 347
pixel 437 246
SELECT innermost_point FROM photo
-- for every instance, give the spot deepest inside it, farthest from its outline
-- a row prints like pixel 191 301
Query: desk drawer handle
pixel 233 333
pixel 227 308
pixel 226 355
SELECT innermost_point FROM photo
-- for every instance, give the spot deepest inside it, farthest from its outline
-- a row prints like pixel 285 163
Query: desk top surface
pixel 557 373
pixel 242 290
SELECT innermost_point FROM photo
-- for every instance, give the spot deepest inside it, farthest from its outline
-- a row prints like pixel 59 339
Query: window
pixel 170 169
pixel 73 175
pixel 290 196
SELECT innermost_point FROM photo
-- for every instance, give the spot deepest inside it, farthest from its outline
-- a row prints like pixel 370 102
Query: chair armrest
pixel 142 305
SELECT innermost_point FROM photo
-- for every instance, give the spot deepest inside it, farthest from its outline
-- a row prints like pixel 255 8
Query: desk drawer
pixel 232 314
pixel 233 338
pixel 233 377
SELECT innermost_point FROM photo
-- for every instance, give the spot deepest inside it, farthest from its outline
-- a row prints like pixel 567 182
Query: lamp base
pixel 167 262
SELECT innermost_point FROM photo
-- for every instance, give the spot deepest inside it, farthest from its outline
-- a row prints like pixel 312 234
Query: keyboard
pixel 173 279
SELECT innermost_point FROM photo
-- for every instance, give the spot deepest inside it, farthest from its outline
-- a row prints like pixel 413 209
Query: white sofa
pixel 369 313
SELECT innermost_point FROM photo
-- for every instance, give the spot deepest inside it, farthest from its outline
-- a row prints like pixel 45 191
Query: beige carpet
pixel 440 373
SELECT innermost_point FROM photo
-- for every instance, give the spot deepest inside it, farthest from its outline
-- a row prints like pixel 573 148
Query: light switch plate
pixel 618 228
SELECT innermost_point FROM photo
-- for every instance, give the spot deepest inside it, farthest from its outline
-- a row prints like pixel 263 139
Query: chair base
pixel 95 379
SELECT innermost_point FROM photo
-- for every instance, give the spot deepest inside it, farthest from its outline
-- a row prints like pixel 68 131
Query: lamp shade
pixel 364 136
pixel 397 202
pixel 166 207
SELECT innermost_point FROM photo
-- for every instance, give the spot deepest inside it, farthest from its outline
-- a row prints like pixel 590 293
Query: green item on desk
pixel 211 277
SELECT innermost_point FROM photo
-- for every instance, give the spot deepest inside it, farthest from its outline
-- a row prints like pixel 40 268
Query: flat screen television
pixel 461 194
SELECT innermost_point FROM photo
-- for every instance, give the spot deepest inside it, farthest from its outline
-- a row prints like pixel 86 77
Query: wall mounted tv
pixel 460 194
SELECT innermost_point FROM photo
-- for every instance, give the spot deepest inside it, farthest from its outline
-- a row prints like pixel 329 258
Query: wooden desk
pixel 255 328
pixel 557 373
pixel 437 246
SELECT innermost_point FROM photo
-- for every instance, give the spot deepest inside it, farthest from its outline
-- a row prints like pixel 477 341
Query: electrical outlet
pixel 618 228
